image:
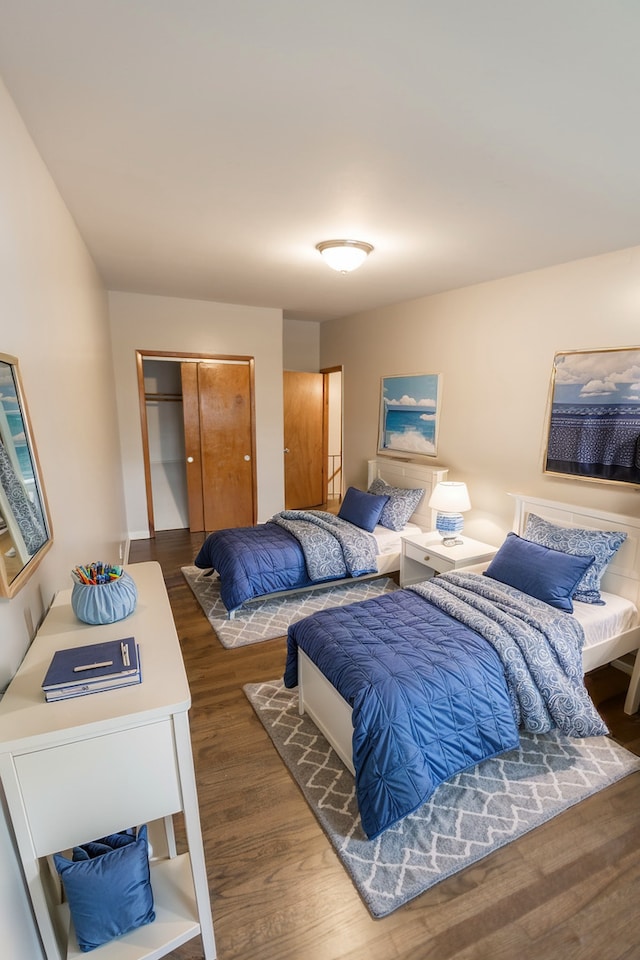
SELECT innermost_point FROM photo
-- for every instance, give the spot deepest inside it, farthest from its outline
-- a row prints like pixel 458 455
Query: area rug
pixel 467 818
pixel 266 619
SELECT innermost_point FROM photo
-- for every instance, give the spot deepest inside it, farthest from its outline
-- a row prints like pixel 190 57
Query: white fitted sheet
pixel 602 622
pixel 389 540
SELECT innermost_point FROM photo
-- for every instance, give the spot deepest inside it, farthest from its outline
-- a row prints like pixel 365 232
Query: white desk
pixel 75 770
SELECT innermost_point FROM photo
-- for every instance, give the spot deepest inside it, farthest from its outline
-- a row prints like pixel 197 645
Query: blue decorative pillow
pixel 108 887
pixel 600 544
pixel 547 574
pixel 401 503
pixel 362 509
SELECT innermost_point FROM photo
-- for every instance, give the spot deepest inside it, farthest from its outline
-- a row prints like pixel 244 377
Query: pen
pixel 93 666
pixel 124 647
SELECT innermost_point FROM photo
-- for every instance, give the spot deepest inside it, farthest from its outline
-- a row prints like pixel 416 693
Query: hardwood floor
pixel 569 889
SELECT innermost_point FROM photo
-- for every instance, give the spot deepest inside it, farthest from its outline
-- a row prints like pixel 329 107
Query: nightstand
pixel 422 555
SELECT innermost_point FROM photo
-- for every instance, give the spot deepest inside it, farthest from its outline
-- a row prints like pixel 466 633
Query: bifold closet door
pixel 218 420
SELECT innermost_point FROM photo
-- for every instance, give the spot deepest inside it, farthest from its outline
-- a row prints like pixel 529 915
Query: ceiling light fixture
pixel 344 255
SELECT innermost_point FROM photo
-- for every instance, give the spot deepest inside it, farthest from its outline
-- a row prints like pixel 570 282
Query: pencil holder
pixel 104 602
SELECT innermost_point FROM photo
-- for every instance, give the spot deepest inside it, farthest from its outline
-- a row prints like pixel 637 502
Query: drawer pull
pixel 427 558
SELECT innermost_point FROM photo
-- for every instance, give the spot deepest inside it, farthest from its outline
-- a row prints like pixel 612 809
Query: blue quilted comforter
pixel 429 693
pixel 294 549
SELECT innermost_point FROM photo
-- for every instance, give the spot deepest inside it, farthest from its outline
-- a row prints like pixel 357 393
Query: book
pixel 112 660
pixel 94 686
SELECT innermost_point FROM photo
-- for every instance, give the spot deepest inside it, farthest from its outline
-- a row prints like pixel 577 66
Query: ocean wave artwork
pixel 409 414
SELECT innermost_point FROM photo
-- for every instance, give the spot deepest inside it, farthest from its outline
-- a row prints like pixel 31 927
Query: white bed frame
pixel 396 473
pixel 403 473
pixel 332 714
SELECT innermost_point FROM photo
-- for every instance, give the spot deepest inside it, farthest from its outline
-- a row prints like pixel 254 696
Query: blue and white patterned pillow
pixel 601 544
pixel 400 505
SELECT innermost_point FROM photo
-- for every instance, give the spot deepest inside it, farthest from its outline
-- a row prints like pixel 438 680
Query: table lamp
pixel 450 499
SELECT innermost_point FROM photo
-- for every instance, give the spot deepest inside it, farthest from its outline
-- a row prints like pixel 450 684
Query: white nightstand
pixel 423 555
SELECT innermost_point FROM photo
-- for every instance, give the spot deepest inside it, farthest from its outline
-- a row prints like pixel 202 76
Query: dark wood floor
pixel 569 889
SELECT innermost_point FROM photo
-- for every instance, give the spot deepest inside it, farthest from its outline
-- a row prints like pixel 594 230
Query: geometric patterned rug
pixel 266 619
pixel 465 819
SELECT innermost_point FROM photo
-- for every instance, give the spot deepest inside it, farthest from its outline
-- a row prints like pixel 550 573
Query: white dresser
pixel 75 770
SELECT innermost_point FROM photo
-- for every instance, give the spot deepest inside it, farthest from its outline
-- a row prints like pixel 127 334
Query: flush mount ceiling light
pixel 344 255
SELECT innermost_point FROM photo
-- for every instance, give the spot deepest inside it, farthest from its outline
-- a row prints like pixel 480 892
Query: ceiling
pixel 204 147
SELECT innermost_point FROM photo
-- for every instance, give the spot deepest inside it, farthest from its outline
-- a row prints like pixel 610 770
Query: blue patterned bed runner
pixel 540 649
pixel 332 547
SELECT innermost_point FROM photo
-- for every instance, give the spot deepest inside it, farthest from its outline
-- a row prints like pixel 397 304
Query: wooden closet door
pixel 226 444
pixel 218 412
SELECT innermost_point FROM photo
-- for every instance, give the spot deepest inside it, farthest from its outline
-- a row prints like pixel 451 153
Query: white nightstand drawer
pixel 425 556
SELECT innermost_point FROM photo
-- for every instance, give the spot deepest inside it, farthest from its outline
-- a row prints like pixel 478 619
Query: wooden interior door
pixel 305 471
pixel 219 441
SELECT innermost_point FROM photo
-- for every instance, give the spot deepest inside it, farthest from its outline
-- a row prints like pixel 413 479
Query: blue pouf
pixel 104 602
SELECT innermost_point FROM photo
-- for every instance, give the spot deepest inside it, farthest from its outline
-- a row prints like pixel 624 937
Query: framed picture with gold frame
pixel 409 410
pixel 594 415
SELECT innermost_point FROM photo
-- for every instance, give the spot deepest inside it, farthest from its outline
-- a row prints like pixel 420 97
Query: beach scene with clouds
pixel 409 414
pixel 594 428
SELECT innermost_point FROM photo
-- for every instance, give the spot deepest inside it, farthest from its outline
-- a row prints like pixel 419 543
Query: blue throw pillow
pixel 600 544
pixel 362 509
pixel 401 503
pixel 546 574
pixel 108 887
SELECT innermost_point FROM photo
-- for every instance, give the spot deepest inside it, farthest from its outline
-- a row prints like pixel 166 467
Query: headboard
pixel 403 473
pixel 622 575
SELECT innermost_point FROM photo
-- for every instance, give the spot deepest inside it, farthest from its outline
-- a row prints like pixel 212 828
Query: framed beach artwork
pixel 594 415
pixel 409 408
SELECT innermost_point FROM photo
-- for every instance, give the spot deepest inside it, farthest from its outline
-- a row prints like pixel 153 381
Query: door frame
pixel 141 356
pixel 339 368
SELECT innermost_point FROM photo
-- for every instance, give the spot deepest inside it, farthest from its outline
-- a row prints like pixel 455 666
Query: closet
pixel 198 431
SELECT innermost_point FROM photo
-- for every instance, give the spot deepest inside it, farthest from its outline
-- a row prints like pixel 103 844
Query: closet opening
pixel 198 436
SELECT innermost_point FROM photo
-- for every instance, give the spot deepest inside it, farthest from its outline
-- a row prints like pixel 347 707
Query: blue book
pixel 93 686
pixel 93 664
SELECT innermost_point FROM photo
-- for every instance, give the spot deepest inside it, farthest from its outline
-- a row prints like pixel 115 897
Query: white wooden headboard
pixel 403 473
pixel 622 576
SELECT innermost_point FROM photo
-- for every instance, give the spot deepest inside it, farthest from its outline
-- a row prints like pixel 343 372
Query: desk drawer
pixel 84 790
pixel 422 555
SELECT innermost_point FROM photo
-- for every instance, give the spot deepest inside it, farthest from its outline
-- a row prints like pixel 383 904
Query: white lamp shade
pixel 450 497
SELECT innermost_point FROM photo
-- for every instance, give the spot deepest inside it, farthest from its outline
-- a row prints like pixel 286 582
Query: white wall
pixel 301 346
pixel 53 318
pixel 494 345
pixel 148 323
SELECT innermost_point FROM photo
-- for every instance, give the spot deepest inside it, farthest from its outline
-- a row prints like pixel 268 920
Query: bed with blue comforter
pixel 296 548
pixel 440 676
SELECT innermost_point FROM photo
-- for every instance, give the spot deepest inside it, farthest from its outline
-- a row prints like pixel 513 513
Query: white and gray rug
pixel 471 815
pixel 266 619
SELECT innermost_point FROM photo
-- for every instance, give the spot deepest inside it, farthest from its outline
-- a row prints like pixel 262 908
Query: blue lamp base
pixel 449 525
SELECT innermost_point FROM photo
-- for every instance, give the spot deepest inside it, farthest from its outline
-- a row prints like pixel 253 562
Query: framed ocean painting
pixel 409 408
pixel 594 415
